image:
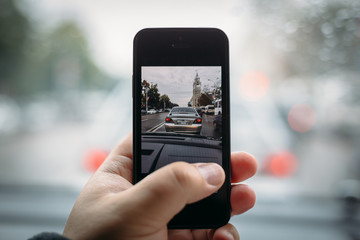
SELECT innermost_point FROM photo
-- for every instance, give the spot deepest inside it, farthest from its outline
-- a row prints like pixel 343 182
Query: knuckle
pixel 183 174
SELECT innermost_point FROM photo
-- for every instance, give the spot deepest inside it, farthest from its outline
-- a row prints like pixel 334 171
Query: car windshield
pixel 183 110
pixel 161 91
pixel 66 101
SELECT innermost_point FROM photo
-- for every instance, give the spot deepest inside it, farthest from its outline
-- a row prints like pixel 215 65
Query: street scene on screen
pixel 182 100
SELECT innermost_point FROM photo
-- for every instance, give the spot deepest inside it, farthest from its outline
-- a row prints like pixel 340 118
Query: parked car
pixel 200 111
pixel 209 109
pixel 183 119
pixel 151 111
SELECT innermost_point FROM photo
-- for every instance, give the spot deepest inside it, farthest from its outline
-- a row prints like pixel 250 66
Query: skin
pixel 111 207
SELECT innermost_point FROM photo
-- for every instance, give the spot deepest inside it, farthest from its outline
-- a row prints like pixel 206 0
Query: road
pixel 155 123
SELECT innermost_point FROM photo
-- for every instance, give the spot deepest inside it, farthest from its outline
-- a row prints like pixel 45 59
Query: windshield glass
pixel 183 110
pixel 176 92
pixel 65 102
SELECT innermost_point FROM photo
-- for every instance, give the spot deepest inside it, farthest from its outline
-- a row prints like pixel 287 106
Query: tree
pixel 145 84
pixel 174 105
pixel 60 61
pixel 145 87
pixel 154 96
pixel 217 93
pixel 32 61
pixel 317 37
pixel 204 100
pixel 164 101
pixel 14 36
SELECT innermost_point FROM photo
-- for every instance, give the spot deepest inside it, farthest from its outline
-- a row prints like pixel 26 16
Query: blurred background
pixel 65 101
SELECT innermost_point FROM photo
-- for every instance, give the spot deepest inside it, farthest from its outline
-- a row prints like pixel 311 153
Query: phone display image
pixel 178 103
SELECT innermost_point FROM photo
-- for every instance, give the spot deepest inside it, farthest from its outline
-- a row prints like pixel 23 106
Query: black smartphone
pixel 181 111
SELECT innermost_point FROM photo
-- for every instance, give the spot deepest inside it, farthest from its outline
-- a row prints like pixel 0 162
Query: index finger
pixel 243 166
pixel 119 160
pixel 125 147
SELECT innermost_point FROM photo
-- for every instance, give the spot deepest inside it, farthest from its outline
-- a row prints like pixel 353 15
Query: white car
pixel 151 111
pixel 209 109
pixel 183 119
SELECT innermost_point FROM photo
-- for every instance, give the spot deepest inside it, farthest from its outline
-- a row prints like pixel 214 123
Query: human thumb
pixel 164 193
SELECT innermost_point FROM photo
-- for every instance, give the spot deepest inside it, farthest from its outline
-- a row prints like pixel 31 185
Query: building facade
pixel 196 91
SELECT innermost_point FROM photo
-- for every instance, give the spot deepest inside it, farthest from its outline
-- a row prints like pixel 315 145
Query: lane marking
pixel 153 129
pixel 158 127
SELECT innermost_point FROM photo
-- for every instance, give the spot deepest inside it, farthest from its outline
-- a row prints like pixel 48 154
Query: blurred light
pixel 301 118
pixel 254 85
pixel 93 159
pixel 282 164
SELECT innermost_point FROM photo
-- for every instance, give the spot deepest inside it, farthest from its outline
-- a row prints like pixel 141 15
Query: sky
pixel 177 82
pixel 111 25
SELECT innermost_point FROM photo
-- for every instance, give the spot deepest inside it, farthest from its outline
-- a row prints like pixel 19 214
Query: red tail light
pixel 93 159
pixel 198 120
pixel 281 164
pixel 168 120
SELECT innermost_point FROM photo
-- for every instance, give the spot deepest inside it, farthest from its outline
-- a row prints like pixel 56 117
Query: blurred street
pixel 53 154
pixel 31 210
pixel 65 101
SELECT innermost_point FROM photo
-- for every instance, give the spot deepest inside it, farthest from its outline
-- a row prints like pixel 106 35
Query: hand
pixel 111 207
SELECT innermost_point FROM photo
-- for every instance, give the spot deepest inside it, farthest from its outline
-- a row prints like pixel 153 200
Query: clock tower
pixel 196 91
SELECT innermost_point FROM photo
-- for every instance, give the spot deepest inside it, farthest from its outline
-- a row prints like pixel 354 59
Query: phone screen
pixel 181 115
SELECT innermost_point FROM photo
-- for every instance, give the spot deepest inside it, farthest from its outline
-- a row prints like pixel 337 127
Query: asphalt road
pixel 155 123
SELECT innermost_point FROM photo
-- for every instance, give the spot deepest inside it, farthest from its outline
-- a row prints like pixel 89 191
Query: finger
pixel 243 166
pixel 242 199
pixel 227 232
pixel 203 234
pixel 180 234
pixel 125 146
pixel 119 160
pixel 162 194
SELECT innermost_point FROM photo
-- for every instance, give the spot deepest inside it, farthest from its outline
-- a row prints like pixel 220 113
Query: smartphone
pixel 181 111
